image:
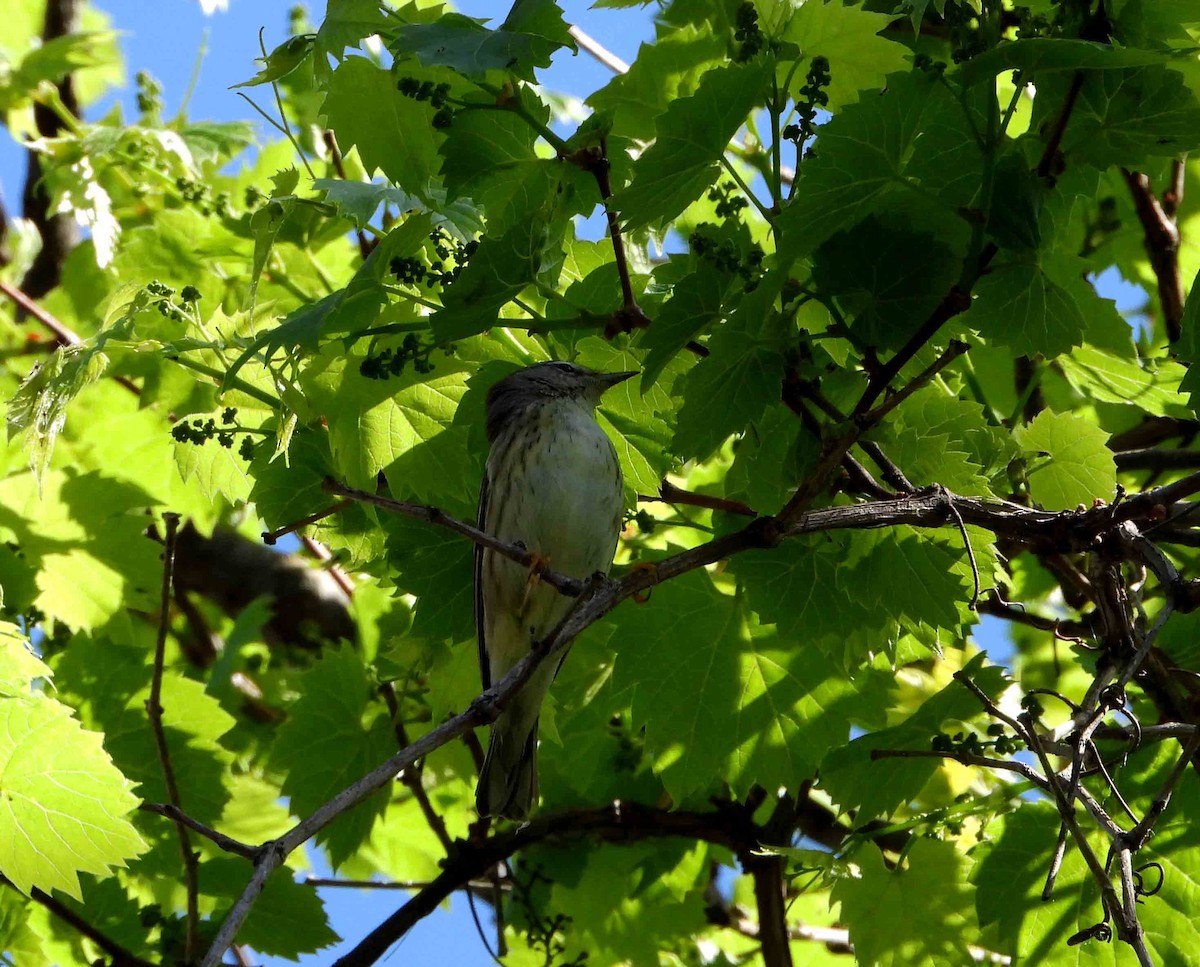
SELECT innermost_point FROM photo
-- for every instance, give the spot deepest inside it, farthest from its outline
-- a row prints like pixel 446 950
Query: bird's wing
pixel 485 671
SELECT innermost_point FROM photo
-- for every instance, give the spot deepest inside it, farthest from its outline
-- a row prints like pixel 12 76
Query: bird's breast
pixel 563 487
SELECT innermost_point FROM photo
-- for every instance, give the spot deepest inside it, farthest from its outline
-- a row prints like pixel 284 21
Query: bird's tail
pixel 508 783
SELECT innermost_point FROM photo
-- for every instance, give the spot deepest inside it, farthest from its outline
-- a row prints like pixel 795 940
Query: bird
pixel 552 485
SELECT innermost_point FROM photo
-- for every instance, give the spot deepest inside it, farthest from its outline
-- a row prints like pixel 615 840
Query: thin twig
pixel 154 712
pixel 227 843
pixel 411 777
pixel 433 515
pixel 271 537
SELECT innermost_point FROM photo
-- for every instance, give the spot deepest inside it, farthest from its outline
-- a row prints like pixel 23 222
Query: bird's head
pixel 543 382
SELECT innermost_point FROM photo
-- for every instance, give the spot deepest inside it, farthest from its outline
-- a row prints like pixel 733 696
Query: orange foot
pixel 538 565
pixel 641 597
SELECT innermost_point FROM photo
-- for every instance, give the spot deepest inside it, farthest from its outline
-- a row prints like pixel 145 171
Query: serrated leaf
pixel 915 132
pixel 334 735
pixel 1020 306
pixel 64 804
pixel 888 929
pixel 876 788
pixel 741 376
pixel 393 133
pixel 1152 385
pixel 533 30
pixel 19 666
pixel 848 37
pixel 1081 467
pixel 1124 117
pixel 690 139
pixel 1042 55
pixel 662 72
pixel 288 918
pixel 885 277
pixel 723 698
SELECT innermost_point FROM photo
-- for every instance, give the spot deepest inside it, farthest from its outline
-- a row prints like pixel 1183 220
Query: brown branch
pixel 154 712
pixel 1161 239
pixel 59 232
pixel 1051 160
pixel 335 155
pixel 1152 431
pixel 1059 627
pixel 668 493
pixel 270 538
pixel 63 334
pixel 176 815
pixel 1153 458
pixel 1069 530
pixel 411 777
pixel 433 515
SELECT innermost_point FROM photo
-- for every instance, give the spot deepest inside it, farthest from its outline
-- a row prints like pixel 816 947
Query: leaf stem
pixel 236 382
pixel 732 171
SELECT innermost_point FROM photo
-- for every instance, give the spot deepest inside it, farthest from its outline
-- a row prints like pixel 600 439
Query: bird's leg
pixel 538 565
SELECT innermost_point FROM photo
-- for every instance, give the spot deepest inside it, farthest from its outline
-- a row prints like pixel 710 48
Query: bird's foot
pixel 538 565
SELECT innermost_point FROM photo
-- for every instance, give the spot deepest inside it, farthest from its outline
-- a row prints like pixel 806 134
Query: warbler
pixel 553 484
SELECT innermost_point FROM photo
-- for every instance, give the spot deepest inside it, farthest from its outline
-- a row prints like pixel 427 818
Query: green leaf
pixel 282 60
pixel 664 71
pixel 1081 467
pixel 694 307
pixel 725 392
pixel 347 23
pixel 19 666
pixel 335 733
pixel 1018 305
pixel 915 133
pixel 848 37
pixel 1012 218
pixel 1123 117
pixel 1043 55
pixel 64 806
pixel 877 787
pixel 887 928
pixel 375 422
pixel 393 133
pixel 39 406
pixel 723 698
pixel 1152 385
pixel 437 566
pixel 690 139
pixel 194 723
pixel 288 918
pixel 885 277
pixel 533 30
pixel 91 555
pixel 529 249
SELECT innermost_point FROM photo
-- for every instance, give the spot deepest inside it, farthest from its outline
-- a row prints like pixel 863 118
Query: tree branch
pixel 154 712
pixel 59 232
pixel 1161 239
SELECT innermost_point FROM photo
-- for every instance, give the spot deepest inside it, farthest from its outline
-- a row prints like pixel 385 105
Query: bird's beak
pixel 609 380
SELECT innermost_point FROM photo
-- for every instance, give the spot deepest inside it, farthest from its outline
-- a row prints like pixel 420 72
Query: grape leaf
pixel 1081 467
pixel 64 807
pixel 334 735
pixel 690 139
